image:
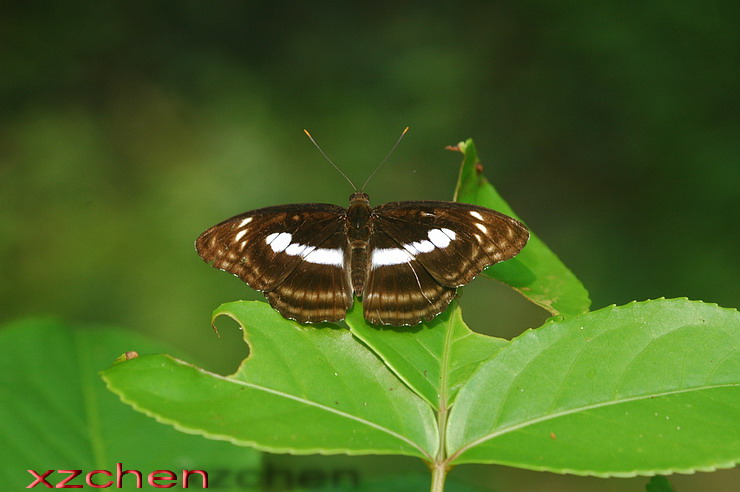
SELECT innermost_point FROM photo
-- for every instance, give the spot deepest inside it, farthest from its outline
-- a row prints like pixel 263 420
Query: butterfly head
pixel 359 197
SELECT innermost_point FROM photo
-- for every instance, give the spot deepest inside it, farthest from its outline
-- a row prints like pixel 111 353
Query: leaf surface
pixel 536 272
pixel 303 389
pixel 55 412
pixel 645 388
pixel 434 358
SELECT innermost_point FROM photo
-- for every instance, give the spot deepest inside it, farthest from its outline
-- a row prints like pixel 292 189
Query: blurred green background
pixel 127 128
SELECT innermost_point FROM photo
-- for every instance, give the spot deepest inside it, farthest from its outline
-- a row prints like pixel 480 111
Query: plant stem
pixel 439 465
pixel 439 473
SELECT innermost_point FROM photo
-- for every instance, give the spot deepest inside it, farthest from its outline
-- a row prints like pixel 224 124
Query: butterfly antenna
pixel 386 158
pixel 327 158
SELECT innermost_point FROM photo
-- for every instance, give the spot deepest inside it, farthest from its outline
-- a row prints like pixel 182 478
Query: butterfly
pixel 404 259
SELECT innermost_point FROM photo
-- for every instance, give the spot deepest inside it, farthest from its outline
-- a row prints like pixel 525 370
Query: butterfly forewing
pixel 453 241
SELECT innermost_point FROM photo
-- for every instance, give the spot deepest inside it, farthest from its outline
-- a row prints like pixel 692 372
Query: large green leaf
pixel 434 358
pixel 650 387
pixel 55 412
pixel 303 389
pixel 536 272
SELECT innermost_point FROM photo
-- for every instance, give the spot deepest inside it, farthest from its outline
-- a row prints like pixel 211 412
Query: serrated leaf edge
pixel 254 444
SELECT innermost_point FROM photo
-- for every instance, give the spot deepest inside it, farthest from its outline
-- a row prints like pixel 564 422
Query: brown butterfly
pixel 404 259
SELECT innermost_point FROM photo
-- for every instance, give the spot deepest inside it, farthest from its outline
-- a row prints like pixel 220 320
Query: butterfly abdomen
pixel 359 229
pixel 359 266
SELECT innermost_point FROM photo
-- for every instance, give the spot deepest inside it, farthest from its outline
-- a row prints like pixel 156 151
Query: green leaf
pixel 434 358
pixel 57 414
pixel 645 388
pixel 313 389
pixel 536 272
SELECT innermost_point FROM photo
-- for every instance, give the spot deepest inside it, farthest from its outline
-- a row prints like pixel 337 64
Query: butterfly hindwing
pixel 399 290
pixel 453 241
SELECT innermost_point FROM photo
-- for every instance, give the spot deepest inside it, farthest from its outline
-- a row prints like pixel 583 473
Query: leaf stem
pixel 439 465
pixel 439 473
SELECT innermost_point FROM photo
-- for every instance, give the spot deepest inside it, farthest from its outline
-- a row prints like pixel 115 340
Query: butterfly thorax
pixel 359 229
